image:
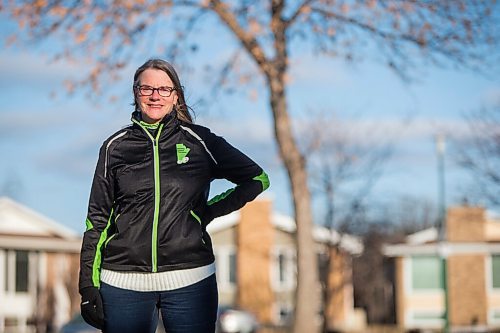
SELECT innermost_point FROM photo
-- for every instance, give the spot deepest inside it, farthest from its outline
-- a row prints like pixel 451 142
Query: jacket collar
pixel 169 121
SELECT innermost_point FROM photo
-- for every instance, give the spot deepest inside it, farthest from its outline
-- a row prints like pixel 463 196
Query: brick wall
pixel 339 280
pixel 400 292
pixel 466 224
pixel 254 239
pixel 62 267
pixel 467 299
pixel 466 290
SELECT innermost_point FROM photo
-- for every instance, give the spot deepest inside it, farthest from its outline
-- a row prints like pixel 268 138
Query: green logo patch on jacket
pixel 182 152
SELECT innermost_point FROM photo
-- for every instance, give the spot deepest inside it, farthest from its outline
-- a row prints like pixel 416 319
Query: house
pixel 255 257
pixel 453 279
pixel 256 266
pixel 38 270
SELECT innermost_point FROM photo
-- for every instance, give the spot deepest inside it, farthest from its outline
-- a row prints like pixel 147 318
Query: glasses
pixel 162 91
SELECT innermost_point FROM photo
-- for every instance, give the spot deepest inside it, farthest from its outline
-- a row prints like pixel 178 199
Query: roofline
pixel 40 244
pixel 285 223
pixel 224 222
pixel 423 236
pixel 443 249
pixel 54 227
pixel 347 242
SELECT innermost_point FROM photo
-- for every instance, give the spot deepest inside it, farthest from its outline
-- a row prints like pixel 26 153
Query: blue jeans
pixel 191 309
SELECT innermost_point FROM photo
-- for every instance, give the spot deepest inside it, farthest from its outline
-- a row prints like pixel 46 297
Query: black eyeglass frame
pixel 168 90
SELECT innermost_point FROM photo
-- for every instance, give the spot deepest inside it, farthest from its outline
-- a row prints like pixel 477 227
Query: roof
pixel 287 224
pixel 23 228
pixel 443 249
pixel 427 242
pixel 424 236
pixel 224 222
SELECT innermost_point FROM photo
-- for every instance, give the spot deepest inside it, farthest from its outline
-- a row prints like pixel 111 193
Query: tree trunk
pixel 307 292
pixel 308 289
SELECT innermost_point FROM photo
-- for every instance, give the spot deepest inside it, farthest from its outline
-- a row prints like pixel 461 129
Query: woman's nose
pixel 155 95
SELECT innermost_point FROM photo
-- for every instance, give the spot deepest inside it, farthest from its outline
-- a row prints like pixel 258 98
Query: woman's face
pixel 155 107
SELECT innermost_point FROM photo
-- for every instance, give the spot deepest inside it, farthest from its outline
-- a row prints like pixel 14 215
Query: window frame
pixel 410 280
pixel 492 319
pixel 276 309
pixel 223 267
pixel 425 322
pixel 489 274
pixel 25 265
pixel 4 278
pixel 9 279
pixel 290 274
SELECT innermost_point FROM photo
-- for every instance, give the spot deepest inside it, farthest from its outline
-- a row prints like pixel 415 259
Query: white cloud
pixel 19 66
pixel 30 122
pixel 242 130
pixel 370 130
pixel 72 161
pixel 492 96
pixel 310 70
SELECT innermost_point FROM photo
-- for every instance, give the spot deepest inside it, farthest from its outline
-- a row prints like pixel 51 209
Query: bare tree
pixel 373 275
pixel 345 159
pixel 479 154
pixel 12 186
pixel 109 33
pixel 344 163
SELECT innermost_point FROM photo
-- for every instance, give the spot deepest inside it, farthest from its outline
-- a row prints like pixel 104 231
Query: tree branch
pixel 248 41
pixel 368 27
pixel 302 7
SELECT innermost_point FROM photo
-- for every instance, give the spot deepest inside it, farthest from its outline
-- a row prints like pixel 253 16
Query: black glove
pixel 91 307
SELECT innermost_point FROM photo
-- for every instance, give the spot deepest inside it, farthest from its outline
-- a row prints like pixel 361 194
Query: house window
pixel 16 271
pixel 323 263
pixel 284 268
pixel 427 318
pixel 422 316
pixel 226 261
pixel 6 270
pixel 11 324
pixel 232 268
pixel 495 271
pixel 427 273
pixel 283 314
pixel 21 271
pixel 494 316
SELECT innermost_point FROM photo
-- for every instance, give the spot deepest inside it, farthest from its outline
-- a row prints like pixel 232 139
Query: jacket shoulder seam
pixel 118 135
pixel 200 139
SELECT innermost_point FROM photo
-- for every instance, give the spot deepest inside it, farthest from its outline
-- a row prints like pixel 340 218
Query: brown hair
pixel 181 108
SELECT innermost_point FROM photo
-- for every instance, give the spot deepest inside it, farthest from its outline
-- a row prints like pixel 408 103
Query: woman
pixel 146 245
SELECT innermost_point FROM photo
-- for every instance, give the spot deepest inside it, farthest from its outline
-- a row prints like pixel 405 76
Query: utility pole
pixel 442 239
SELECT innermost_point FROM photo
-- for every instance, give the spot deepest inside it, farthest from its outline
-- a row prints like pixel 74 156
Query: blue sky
pixel 49 145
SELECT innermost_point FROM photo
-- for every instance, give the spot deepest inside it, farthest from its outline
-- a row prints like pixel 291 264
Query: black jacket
pixel 149 208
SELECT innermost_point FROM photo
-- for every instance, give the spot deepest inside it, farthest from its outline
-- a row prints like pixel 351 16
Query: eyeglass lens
pixel 162 91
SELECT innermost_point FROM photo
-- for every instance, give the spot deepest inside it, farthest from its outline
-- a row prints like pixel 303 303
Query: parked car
pixel 233 320
pixel 78 325
pixel 229 320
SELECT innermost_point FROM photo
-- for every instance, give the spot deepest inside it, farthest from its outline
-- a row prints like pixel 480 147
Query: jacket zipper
pixel 156 163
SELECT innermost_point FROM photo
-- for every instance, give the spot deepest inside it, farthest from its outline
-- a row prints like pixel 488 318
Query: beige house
pixel 38 270
pixel 471 290
pixel 256 266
